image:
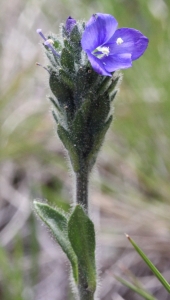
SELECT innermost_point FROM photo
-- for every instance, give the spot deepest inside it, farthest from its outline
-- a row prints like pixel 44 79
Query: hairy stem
pixel 82 188
pixel 84 293
pixel 82 180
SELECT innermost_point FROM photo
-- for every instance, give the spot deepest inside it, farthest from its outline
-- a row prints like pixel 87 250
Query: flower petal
pixel 134 42
pixel 70 22
pixel 91 20
pixel 97 64
pixel 116 62
pixel 99 29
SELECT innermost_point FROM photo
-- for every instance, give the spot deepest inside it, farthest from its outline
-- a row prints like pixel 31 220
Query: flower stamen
pixel 39 31
pixel 48 42
pixel 100 52
pixel 119 41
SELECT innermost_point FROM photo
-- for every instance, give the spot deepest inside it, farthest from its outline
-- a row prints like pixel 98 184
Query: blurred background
pixel 130 186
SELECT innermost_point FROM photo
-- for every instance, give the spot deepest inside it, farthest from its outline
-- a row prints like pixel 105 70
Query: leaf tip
pixel 128 237
pixel 36 203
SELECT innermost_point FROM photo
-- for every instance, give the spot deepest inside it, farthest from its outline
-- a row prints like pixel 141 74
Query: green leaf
pixel 92 78
pixel 86 107
pixel 101 109
pixel 82 237
pixel 59 89
pixel 63 94
pixel 136 289
pixel 80 133
pixel 66 79
pixel 80 88
pixel 109 84
pixel 56 43
pixel 55 117
pixel 104 85
pixel 58 224
pixel 98 140
pixel 68 143
pixel 113 95
pixel 115 81
pixel 55 104
pixel 75 35
pixel 150 265
pixel 53 59
pixel 64 31
pixel 67 45
pixel 67 60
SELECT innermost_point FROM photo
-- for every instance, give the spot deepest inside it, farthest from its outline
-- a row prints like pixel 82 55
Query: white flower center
pixel 119 41
pixel 100 52
pixel 104 50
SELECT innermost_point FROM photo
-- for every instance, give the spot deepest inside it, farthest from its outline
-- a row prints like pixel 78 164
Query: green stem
pixel 82 180
pixel 84 293
pixel 82 188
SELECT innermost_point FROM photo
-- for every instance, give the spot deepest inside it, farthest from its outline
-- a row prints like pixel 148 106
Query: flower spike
pixel 82 110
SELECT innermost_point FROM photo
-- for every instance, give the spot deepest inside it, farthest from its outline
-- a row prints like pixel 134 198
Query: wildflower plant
pixel 84 64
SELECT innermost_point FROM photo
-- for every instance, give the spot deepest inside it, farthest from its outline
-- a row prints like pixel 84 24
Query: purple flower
pixel 48 42
pixel 109 49
pixel 70 22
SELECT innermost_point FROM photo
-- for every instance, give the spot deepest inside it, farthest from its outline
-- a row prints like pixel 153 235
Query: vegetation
pixel 130 191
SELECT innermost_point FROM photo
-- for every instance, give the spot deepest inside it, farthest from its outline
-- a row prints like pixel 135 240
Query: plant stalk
pixel 82 180
pixel 84 293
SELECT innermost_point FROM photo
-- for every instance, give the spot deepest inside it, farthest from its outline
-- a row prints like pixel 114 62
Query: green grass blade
pixel 136 289
pixel 150 265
